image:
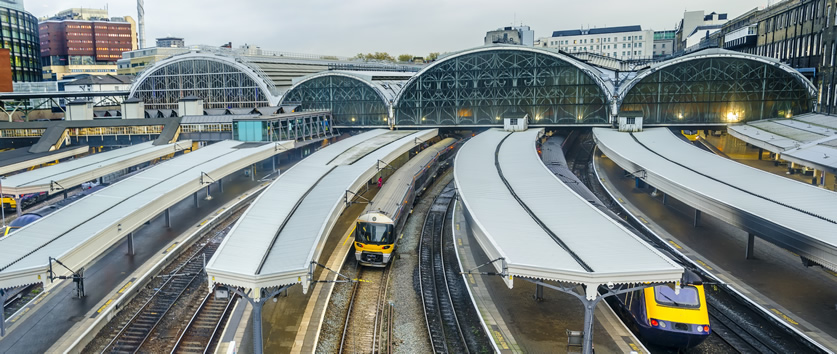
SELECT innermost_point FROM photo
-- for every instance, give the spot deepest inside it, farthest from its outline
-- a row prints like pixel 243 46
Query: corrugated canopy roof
pixel 288 223
pixel 791 214
pixel 539 226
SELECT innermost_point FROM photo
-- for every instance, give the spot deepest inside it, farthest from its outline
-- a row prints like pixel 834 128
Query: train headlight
pixel 662 324
pixel 386 247
pixel 358 244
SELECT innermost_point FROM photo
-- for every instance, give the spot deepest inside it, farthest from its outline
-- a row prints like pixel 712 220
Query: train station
pixel 501 198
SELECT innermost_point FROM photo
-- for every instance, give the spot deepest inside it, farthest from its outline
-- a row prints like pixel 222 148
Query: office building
pixel 521 35
pixel 624 43
pixel 77 43
pixel 663 43
pixel 696 26
pixel 19 34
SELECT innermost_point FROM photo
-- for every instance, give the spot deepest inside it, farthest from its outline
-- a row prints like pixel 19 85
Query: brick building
pixel 71 47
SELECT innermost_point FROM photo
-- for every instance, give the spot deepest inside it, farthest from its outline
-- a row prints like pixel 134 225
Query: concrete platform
pixel 519 324
pixel 749 155
pixel 805 298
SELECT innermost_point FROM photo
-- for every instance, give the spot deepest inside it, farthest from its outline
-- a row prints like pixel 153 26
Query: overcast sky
pixel 347 27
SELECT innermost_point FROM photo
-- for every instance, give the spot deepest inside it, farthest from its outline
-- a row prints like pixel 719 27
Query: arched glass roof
pixel 483 85
pixel 221 82
pixel 354 98
pixel 716 86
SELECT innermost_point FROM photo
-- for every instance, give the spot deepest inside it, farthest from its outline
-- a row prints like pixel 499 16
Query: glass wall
pixel 716 90
pixel 220 85
pixel 486 86
pixel 19 34
pixel 351 101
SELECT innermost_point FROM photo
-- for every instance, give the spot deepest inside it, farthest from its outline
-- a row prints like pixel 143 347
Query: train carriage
pixel 377 228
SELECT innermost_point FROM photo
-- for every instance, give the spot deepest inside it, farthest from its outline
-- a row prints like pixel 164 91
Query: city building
pixel 663 43
pixel 80 13
pixel 81 41
pixel 136 61
pixel 521 35
pixel 19 34
pixel 695 26
pixel 99 83
pixel 170 42
pixel 624 43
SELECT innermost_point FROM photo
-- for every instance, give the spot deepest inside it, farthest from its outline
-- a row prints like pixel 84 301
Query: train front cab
pixel 670 319
pixel 374 239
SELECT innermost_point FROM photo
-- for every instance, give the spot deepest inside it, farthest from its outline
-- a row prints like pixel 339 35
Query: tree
pixel 381 56
pixel 432 56
pixel 405 57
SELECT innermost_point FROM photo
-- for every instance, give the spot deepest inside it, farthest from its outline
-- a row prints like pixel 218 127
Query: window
pixel 664 45
pixel 688 296
pixel 630 120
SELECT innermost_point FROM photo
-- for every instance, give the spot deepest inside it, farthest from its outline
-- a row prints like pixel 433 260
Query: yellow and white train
pixel 377 227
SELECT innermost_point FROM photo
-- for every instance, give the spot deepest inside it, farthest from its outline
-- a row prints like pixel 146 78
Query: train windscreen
pixel 688 296
pixel 373 233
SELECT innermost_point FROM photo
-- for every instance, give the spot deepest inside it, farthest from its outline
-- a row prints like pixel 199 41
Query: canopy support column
pixel 589 299
pixel 750 246
pixel 257 303
pixel 195 197
pixel 168 217
pixel 17 205
pixel 3 313
pixel 221 185
pixel 761 151
pixel 697 218
pixel 131 243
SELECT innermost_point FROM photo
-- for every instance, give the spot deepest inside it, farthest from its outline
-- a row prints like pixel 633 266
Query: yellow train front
pixel 663 317
pixel 691 135
pixel 374 239
pixel 376 229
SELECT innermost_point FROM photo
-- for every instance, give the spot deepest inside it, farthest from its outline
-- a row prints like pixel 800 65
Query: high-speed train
pixel 658 314
pixel 662 316
pixel 377 227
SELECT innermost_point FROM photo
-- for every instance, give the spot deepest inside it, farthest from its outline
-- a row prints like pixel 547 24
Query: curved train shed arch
pixel 716 87
pixel 221 81
pixel 480 86
pixel 354 98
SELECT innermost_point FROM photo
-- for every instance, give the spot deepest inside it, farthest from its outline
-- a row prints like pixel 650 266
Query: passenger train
pixel 657 314
pixel 691 135
pixel 32 216
pixel 377 227
pixel 661 316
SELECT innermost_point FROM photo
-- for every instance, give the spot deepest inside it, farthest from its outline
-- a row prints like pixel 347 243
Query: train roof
pixel 393 192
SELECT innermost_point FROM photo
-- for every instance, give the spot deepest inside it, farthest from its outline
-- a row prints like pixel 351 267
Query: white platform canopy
pixel 796 216
pixel 278 237
pixel 808 139
pixel 520 212
pixel 72 173
pixel 23 162
pixel 80 232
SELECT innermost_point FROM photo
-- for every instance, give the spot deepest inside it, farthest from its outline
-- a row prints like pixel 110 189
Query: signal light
pixel 654 322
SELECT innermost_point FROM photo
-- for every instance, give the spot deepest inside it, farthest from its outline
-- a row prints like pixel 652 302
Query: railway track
pixel 204 329
pixel 368 325
pixel 731 333
pixel 734 322
pixel 19 298
pixel 137 330
pixel 437 279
